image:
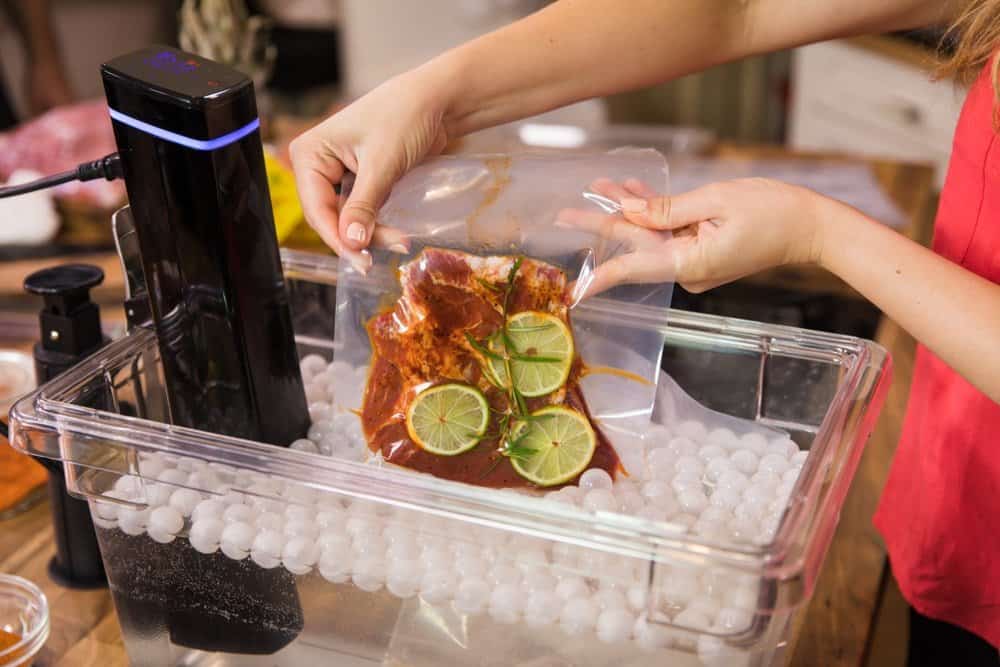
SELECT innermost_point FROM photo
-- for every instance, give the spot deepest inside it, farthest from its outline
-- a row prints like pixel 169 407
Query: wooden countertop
pixel 84 629
pixel 836 628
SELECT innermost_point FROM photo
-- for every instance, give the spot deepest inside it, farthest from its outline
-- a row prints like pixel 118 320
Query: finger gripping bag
pixel 466 221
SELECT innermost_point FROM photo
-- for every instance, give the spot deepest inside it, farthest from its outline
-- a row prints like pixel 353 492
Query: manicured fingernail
pixel 398 248
pixel 634 205
pixel 356 232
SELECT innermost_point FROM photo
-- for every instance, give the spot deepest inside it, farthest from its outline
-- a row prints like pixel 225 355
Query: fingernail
pixel 399 248
pixel 562 223
pixel 634 205
pixel 356 232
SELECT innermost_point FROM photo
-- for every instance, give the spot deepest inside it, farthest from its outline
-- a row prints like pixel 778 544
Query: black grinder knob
pixel 70 321
pixel 70 330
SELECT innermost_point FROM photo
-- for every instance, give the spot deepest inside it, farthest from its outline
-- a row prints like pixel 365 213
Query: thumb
pixel 357 215
pixel 672 212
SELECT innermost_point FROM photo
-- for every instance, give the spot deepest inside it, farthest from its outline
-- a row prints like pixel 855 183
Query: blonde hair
pixel 976 35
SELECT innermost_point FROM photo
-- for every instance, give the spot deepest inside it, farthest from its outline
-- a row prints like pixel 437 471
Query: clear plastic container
pixel 384 566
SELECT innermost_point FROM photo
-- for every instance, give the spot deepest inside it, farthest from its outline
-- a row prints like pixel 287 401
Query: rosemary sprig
pixel 530 328
pixel 517 406
pixel 522 405
pixel 511 449
pixel 496 356
pixel 509 445
pixel 482 349
pixel 533 360
pixel 508 342
pixel 536 418
pixel 508 290
pixel 519 453
pixel 488 285
pixel 502 425
pixel 493 466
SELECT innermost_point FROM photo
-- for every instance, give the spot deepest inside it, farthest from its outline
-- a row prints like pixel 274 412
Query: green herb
pixel 522 406
pixel 517 412
pixel 537 418
pixel 508 290
pixel 493 380
pixel 520 453
pixel 482 349
pixel 493 466
pixel 502 425
pixel 507 340
pixel 534 360
pixel 514 268
pixel 530 328
pixel 488 285
pixel 508 423
pixel 511 449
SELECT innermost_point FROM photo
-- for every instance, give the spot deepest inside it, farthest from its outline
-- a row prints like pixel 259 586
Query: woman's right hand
pixel 378 138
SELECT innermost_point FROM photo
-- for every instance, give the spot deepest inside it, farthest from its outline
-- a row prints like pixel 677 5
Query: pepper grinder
pixel 70 330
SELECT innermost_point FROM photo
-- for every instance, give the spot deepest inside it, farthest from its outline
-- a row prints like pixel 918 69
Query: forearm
pixel 579 49
pixel 952 311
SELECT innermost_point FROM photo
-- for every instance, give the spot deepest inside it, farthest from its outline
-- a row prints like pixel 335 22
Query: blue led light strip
pixel 180 139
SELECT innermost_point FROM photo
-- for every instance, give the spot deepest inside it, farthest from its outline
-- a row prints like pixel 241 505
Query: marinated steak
pixel 449 300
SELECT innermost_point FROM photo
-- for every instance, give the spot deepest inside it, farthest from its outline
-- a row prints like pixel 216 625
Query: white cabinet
pixel 851 99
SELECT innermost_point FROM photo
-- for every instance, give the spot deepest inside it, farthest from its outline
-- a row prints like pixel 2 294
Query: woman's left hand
pixel 706 237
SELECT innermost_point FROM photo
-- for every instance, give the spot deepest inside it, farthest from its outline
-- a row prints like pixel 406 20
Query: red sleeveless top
pixel 940 510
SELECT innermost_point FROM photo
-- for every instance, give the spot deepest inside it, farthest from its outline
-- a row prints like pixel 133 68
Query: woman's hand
pixel 378 138
pixel 725 231
pixel 706 237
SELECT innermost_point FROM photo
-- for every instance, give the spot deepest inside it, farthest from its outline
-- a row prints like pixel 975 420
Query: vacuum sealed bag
pixel 475 357
pixel 480 355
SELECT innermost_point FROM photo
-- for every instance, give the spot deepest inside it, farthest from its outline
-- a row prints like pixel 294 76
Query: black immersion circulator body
pixel 209 252
pixel 194 171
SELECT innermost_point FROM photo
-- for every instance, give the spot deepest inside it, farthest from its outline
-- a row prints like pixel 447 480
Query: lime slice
pixel 539 335
pixel 563 443
pixel 448 419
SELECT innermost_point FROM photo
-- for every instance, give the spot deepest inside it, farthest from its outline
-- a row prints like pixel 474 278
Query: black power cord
pixel 108 167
